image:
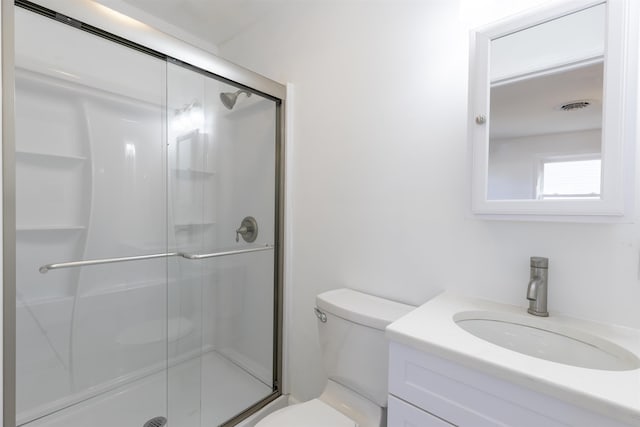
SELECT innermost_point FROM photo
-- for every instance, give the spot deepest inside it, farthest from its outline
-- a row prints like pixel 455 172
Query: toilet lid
pixel 314 413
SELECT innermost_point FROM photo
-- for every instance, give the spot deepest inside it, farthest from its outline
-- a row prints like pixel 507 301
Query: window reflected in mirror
pixel 563 178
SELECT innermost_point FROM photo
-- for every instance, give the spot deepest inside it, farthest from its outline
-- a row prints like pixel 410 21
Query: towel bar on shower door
pixel 45 268
pixel 225 253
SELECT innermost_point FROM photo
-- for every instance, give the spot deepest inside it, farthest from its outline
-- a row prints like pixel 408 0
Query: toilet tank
pixel 354 347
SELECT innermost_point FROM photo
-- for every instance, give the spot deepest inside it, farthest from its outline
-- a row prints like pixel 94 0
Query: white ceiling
pixel 530 107
pixel 211 21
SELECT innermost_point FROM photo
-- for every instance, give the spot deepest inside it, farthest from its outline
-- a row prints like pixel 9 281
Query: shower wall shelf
pixel 189 173
pixel 22 154
pixel 194 224
pixel 39 228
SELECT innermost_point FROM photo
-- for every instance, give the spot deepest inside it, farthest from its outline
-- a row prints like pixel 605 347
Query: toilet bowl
pixel 351 328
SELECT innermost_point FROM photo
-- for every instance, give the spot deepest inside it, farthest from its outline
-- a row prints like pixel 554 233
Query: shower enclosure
pixel 147 234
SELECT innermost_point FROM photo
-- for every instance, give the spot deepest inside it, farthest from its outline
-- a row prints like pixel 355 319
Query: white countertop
pixel 615 394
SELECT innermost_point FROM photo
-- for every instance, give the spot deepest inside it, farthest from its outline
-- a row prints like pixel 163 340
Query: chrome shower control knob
pixel 248 230
pixel 242 230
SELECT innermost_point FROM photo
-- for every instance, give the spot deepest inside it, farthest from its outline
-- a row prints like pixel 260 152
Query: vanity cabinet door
pixel 469 398
pixel 402 414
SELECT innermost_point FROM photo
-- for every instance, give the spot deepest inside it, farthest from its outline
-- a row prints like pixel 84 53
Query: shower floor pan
pixel 205 391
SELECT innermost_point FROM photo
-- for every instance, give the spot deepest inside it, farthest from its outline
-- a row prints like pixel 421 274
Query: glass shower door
pixel 146 233
pixel 222 180
pixel 91 185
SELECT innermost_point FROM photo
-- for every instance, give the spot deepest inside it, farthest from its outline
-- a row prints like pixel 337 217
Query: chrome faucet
pixel 537 289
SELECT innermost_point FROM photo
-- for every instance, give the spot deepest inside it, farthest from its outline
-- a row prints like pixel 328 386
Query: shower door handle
pixel 71 264
pixel 226 253
pixel 45 268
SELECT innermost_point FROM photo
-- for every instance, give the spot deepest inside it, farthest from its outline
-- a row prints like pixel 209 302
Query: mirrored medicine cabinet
pixel 553 112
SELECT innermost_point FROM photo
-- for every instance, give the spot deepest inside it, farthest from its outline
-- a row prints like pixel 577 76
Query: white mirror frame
pixel 620 116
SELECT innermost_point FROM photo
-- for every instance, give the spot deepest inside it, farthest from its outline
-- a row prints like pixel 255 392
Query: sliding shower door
pixel 222 180
pixel 90 185
pixel 146 232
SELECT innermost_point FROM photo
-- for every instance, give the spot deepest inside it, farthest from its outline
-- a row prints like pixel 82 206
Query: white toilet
pixel 351 328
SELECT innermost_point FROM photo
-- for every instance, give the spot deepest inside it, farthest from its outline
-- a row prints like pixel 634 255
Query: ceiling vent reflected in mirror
pixel 575 105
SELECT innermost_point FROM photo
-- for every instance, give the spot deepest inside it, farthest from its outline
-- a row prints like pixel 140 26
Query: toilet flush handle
pixel 320 315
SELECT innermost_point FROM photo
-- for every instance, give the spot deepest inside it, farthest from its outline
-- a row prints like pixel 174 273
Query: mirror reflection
pixel 546 110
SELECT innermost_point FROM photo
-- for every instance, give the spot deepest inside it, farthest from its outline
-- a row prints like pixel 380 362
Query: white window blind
pixel 571 179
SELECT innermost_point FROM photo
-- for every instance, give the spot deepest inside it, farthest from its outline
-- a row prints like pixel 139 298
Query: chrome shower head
pixel 229 99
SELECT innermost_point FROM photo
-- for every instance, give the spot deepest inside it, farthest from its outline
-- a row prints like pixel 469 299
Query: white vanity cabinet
pixel 401 413
pixel 426 390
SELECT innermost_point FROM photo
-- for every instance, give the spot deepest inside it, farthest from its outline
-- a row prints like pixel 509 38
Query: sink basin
pixel 543 339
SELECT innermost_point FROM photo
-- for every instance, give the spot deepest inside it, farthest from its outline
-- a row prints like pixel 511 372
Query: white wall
pixel 380 193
